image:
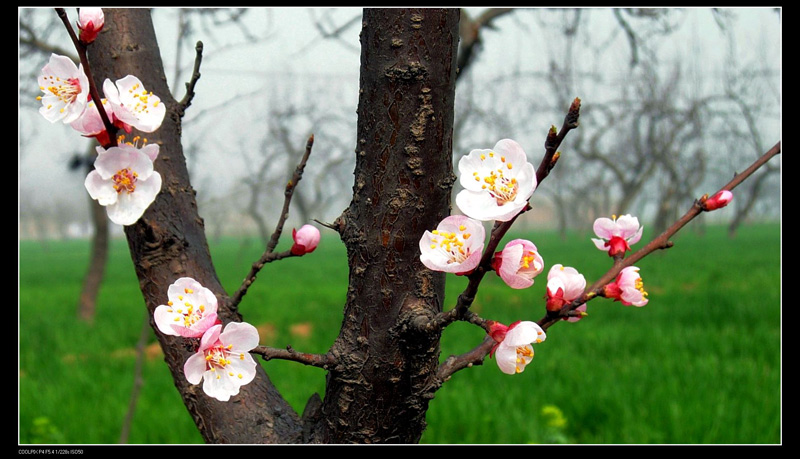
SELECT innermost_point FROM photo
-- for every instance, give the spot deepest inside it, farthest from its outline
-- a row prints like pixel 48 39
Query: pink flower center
pixel 189 312
pixel 125 180
pixel 218 359
pixel 65 90
pixel 141 100
pixel 526 260
pixel 503 189
pixel 452 244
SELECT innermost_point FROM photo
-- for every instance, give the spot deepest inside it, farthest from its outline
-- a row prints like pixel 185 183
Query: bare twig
pixel 268 255
pixel 187 99
pixel 630 34
pixel 455 363
pixel 470 34
pixel 314 360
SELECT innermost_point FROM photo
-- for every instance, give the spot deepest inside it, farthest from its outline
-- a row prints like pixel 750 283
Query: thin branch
pixel 314 360
pixel 630 34
pixel 268 255
pixel 187 99
pixel 659 243
pixel 474 357
pixel 110 128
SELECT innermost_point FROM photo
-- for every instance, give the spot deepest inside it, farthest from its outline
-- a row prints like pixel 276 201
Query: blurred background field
pixel 701 363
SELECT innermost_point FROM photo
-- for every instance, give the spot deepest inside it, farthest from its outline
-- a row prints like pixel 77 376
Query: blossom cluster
pixel 497 185
pixel 125 182
pixel 222 359
pixel 124 179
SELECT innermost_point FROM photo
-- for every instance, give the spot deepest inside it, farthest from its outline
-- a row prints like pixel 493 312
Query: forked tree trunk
pixel 384 376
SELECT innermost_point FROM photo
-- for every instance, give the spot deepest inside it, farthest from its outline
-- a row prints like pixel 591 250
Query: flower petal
pixel 604 228
pixel 506 357
pixel 241 335
pixel 194 368
pixel 99 189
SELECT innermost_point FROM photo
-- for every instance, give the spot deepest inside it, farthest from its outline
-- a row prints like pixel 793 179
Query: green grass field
pixel 701 363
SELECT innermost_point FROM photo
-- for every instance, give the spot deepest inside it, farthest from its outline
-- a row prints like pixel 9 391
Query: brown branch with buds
pixel 465 299
pixel 659 243
pixel 553 141
pixel 187 99
pixel 476 356
pixel 269 254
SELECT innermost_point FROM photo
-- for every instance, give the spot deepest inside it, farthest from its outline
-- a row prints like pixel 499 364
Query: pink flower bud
pixel 617 234
pixel 90 23
pixel 306 239
pixel 721 199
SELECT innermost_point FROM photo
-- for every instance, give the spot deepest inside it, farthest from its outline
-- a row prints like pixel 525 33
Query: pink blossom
pixel 66 90
pixel 190 311
pixel 223 361
pixel 617 234
pixel 90 123
pixel 133 104
pixel 518 263
pixel 124 181
pixel 564 285
pixel 90 23
pixel 455 246
pixel 628 288
pixel 721 199
pixel 497 182
pixel 513 350
pixel 305 239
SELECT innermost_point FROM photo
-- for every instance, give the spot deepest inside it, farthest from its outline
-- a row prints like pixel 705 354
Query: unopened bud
pixel 90 23
pixel 306 239
pixel 721 199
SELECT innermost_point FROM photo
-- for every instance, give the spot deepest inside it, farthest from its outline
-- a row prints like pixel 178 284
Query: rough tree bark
pixel 384 373
pixel 380 388
pixel 169 242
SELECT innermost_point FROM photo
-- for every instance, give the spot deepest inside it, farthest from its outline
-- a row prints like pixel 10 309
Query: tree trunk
pixel 380 388
pixel 169 242
pixel 384 372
